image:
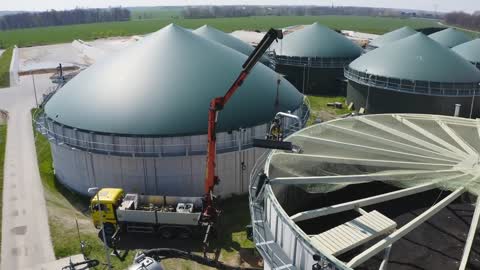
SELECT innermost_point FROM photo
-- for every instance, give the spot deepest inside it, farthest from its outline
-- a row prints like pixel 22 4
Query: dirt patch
pixel 3 117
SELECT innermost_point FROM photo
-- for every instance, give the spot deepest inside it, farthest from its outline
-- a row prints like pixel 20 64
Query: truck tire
pixel 167 233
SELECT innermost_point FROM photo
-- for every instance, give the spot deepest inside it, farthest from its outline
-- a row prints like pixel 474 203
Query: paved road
pixel 25 233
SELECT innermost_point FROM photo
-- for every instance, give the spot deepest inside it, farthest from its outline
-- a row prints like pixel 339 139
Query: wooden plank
pixel 353 233
pixel 392 238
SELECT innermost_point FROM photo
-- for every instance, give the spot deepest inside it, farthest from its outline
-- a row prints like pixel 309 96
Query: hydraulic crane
pixel 216 105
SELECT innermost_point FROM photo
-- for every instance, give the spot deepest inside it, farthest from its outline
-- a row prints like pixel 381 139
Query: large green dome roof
pixel 317 41
pixel 216 35
pixel 469 50
pixel 417 58
pixel 450 37
pixel 392 36
pixel 162 86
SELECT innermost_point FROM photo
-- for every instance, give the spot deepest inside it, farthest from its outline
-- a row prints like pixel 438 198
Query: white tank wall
pixel 290 237
pixel 157 165
pixel 175 176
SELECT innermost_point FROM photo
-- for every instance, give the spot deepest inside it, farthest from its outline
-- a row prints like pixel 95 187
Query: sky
pixel 439 5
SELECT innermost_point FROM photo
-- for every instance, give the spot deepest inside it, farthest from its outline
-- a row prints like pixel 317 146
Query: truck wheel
pixel 184 234
pixel 166 233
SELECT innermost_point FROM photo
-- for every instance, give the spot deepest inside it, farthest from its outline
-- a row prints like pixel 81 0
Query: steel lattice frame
pixel 421 152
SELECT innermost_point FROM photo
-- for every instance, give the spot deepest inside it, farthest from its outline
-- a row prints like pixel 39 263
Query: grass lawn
pixel 64 207
pixel 60 34
pixel 319 108
pixel 3 140
pixel 5 60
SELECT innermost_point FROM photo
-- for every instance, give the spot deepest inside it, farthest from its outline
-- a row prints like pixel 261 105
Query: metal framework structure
pixel 414 152
pixel 413 87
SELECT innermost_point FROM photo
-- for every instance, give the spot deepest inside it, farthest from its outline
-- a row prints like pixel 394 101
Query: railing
pixel 151 146
pixel 313 62
pixel 415 87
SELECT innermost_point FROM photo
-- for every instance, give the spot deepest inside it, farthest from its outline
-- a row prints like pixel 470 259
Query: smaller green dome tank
pixel 216 35
pixel 450 37
pixel 392 36
pixel 469 50
pixel 417 58
pixel 317 40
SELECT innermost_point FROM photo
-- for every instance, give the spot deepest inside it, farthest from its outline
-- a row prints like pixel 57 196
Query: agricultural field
pixel 60 34
pixel 5 60
pixel 65 209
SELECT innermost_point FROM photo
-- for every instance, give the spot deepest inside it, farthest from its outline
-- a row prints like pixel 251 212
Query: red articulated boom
pixel 216 105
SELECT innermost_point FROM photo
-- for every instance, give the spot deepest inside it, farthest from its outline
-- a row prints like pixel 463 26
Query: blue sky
pixel 440 5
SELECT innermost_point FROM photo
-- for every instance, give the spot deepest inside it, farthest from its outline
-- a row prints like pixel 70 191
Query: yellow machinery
pixel 104 204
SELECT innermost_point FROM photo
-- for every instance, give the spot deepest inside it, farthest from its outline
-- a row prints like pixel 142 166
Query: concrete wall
pixel 386 101
pixel 318 81
pixel 14 67
pixel 174 176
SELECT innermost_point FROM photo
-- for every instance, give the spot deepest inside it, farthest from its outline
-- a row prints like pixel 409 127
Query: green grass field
pixel 64 207
pixel 60 34
pixel 5 60
pixel 3 140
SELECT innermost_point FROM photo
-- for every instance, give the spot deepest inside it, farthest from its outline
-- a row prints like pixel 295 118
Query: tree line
pixel 470 21
pixel 244 11
pixel 66 17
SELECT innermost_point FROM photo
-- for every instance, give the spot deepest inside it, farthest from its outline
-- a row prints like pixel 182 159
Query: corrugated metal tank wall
pixel 172 166
pixel 314 81
pixel 174 176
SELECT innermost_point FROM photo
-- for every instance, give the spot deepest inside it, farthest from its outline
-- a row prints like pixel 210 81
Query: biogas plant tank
pixel 415 74
pixel 138 120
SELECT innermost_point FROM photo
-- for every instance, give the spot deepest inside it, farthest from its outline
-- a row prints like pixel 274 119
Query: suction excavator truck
pixel 176 216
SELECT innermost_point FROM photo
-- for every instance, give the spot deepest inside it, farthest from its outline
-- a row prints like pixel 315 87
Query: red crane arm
pixel 217 104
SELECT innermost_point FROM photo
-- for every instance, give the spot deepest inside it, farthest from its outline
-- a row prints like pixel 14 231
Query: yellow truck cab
pixel 103 206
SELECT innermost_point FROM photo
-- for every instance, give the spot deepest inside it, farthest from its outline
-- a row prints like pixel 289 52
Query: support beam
pixel 411 138
pixel 368 162
pixel 386 257
pixel 357 178
pixel 459 140
pixel 471 235
pixel 379 150
pixel 429 135
pixel 384 141
pixel 366 202
pixel 395 236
